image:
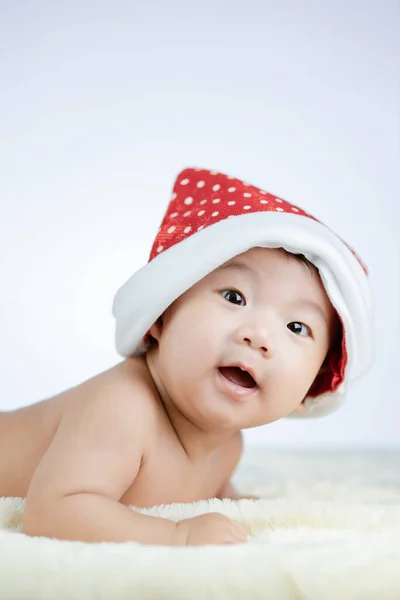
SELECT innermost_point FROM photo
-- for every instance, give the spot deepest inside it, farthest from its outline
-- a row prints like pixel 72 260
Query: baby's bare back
pixel 165 473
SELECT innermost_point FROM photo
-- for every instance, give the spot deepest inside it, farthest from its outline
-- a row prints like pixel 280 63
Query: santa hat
pixel 210 219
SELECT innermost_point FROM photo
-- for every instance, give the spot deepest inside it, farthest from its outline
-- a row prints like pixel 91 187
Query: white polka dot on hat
pixel 211 218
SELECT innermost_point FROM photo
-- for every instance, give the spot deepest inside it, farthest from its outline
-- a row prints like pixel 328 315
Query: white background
pixel 102 104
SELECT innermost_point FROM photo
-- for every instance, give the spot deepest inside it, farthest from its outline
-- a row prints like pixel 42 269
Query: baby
pixel 249 310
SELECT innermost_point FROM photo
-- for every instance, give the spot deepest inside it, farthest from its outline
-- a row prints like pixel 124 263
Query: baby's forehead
pixel 261 261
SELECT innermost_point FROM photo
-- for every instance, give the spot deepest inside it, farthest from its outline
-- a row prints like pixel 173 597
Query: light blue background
pixel 102 104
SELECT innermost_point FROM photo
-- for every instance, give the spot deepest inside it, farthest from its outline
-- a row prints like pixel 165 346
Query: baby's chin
pixel 213 413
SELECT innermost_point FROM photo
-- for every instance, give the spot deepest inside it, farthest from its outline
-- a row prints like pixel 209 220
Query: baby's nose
pixel 255 344
pixel 258 339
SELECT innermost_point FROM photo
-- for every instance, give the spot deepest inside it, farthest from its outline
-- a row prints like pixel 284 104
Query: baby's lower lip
pixel 237 391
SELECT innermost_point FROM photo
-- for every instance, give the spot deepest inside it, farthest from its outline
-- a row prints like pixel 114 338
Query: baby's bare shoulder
pixel 101 438
pixel 122 390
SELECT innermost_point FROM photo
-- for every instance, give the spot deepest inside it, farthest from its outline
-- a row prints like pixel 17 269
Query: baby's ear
pixel 155 330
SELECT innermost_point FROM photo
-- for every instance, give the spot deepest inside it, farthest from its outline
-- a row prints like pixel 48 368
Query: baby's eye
pixel 301 325
pixel 232 294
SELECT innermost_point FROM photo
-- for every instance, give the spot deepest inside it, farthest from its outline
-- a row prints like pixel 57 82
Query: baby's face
pixel 263 309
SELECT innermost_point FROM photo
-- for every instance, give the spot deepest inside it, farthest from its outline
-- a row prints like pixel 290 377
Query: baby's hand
pixel 210 528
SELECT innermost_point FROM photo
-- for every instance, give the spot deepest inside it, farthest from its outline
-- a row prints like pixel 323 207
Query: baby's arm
pixel 91 462
pixel 228 490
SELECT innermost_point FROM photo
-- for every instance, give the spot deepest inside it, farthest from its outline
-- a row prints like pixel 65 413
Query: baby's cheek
pixel 297 381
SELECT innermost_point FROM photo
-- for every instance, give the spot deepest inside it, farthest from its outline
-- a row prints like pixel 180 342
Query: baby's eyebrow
pixel 298 302
pixel 237 264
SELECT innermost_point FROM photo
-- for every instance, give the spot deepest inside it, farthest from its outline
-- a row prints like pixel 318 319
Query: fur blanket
pixel 311 537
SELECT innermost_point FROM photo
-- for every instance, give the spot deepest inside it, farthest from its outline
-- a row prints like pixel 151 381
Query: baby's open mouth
pixel 238 376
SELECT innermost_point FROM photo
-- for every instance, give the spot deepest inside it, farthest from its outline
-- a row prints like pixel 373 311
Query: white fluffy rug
pixel 327 528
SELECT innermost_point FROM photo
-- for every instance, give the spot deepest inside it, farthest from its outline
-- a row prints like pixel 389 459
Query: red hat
pixel 210 219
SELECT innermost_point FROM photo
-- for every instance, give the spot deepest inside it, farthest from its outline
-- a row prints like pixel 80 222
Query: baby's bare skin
pixel 163 428
pixel 160 471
